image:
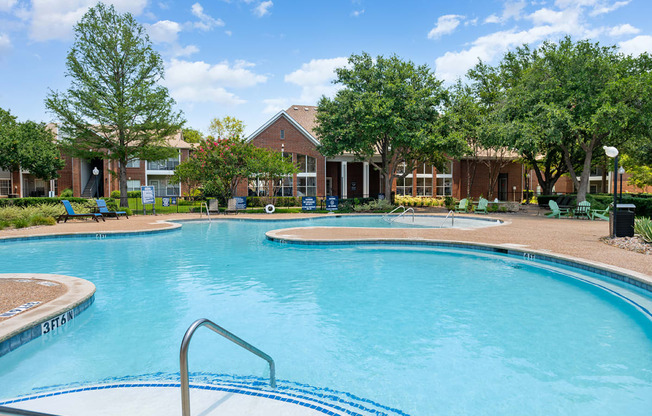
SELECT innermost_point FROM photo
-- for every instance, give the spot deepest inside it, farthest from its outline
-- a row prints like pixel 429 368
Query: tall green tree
pixel 387 107
pixel 578 97
pixel 192 135
pixel 115 108
pixel 29 146
pixel 223 128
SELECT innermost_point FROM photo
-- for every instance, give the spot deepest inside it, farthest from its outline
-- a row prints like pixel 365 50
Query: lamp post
pixel 96 172
pixel 621 172
pixel 611 151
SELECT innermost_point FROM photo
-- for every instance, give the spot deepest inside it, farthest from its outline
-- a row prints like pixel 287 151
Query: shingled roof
pixel 305 115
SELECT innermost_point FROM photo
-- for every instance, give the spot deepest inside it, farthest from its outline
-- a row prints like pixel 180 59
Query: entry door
pixel 329 186
pixel 502 187
pixel 155 184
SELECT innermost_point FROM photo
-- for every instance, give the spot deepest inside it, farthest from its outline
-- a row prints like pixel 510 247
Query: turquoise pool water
pixel 429 332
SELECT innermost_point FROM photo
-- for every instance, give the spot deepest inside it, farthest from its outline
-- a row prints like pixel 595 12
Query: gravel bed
pixel 630 243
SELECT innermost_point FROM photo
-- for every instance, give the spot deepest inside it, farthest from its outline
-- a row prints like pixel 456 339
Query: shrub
pixel 376 205
pixel 4 224
pixel 41 220
pixel 20 223
pixel 115 194
pixel 643 227
pixel 66 193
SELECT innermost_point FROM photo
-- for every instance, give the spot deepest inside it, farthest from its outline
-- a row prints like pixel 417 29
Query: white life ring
pixel 269 208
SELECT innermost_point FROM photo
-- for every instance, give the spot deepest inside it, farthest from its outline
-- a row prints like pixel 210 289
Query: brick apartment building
pixel 292 132
pixel 78 175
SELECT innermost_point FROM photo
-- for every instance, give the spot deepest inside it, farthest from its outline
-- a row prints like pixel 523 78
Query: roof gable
pixel 308 134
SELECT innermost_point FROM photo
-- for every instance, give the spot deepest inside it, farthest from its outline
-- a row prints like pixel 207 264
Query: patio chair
pixel 231 206
pixel 70 213
pixel 482 206
pixel 583 210
pixel 104 210
pixel 462 206
pixel 556 211
pixel 602 214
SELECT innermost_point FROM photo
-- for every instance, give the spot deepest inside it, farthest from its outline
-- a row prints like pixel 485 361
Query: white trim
pixel 289 118
pixel 365 179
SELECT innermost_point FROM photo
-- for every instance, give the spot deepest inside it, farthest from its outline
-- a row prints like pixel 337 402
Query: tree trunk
pixel 584 178
pixel 122 181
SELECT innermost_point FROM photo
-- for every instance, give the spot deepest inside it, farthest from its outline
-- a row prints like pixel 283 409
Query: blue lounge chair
pixel 70 213
pixel 104 210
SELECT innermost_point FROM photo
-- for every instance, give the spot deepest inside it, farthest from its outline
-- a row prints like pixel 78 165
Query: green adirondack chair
pixel 602 214
pixel 463 206
pixel 583 210
pixel 556 211
pixel 482 206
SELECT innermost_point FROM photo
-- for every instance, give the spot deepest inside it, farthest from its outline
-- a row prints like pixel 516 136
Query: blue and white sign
pixel 147 195
pixel 332 203
pixel 165 201
pixel 173 200
pixel 381 197
pixel 240 202
pixel 309 203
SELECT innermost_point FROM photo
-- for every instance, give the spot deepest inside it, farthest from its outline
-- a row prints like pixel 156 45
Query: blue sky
pixel 252 58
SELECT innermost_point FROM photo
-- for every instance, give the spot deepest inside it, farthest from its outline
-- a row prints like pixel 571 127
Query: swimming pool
pixel 422 330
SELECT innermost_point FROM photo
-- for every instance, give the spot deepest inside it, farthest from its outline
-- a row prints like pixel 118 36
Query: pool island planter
pixel 45 318
pixel 630 277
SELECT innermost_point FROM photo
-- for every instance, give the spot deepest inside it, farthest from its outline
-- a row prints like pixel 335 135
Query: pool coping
pixel 29 325
pixel 631 277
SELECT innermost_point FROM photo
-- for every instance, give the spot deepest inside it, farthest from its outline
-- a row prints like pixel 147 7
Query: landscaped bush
pixel 26 202
pixel 115 194
pixel 280 201
pixel 418 201
pixel 643 227
pixel 380 205
pixel 66 193
pixel 28 213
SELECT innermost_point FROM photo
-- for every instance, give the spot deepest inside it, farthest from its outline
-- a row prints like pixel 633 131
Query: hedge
pixel 643 202
pixel 32 201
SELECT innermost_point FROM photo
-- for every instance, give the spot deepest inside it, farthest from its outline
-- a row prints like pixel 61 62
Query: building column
pixel 365 179
pixel 344 180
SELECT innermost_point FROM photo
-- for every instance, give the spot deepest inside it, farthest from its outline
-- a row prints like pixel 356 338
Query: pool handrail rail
pixel 452 214
pixel 10 411
pixel 183 358
pixel 390 220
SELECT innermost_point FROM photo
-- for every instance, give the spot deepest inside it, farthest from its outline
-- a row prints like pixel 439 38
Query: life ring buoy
pixel 269 208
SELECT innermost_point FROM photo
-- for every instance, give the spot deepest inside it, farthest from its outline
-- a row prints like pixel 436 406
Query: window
pixel 403 185
pixel 424 180
pixel 172 189
pixel 257 187
pixel 284 187
pixel 445 181
pixel 133 163
pixel 5 186
pixel 307 186
pixel 133 185
pixel 167 164
pixel 282 134
pixel 307 176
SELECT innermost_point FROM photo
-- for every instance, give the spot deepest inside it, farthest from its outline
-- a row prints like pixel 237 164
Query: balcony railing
pixel 162 165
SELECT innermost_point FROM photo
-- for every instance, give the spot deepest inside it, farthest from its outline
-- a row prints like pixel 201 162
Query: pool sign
pixel 165 201
pixel 147 196
pixel 309 203
pixel 332 203
pixel 173 200
pixel 240 202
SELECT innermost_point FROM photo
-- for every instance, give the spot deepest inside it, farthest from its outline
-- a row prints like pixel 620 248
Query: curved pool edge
pixel 631 277
pixel 31 324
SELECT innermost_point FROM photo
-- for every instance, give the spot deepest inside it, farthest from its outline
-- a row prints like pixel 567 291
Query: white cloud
pixel 178 50
pixel 357 13
pixel 625 29
pixel 55 19
pixel 445 24
pixel 206 22
pixel 603 8
pixel 263 8
pixel 164 31
pixel 5 44
pixel 274 105
pixel 637 45
pixel 315 78
pixel 6 5
pixel 202 82
pixel 511 10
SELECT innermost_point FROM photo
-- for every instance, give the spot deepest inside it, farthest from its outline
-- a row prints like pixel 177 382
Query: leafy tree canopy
pixel 115 107
pixel 192 135
pixel 29 146
pixel 387 107
pixel 226 127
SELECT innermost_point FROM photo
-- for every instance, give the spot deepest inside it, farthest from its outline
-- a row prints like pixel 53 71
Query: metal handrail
pixel 386 216
pixel 403 213
pixel 10 411
pixel 183 358
pixel 208 214
pixel 452 219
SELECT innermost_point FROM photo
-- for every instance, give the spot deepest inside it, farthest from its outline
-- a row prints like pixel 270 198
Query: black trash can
pixel 624 221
